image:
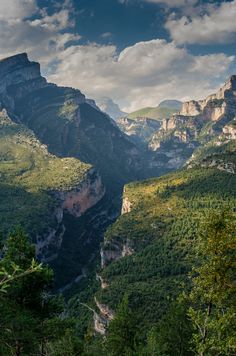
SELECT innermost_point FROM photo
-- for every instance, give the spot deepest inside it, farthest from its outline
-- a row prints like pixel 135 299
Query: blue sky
pixel 138 52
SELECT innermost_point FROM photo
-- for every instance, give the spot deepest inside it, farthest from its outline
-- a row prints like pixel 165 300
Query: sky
pixel 137 52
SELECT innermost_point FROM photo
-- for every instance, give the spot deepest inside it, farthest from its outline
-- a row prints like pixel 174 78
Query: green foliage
pixel 68 345
pixel 223 153
pixel 29 316
pixel 173 332
pixel 122 331
pixel 29 177
pixel 153 113
pixel 162 229
pixel 213 295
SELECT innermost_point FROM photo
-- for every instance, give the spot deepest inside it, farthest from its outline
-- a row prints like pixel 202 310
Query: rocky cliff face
pixel 197 123
pixel 114 250
pixel 140 129
pixel 67 122
pixel 102 318
pixel 215 105
pixel 229 131
pixel 126 206
pixel 41 188
pixel 75 202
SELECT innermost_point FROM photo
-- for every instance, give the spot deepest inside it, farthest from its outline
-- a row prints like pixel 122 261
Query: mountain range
pixel 93 194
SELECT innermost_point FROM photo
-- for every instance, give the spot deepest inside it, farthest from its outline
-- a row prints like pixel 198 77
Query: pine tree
pixel 122 331
pixel 213 295
pixel 171 337
pixel 29 316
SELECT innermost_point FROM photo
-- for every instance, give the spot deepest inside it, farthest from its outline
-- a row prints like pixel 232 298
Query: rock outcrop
pixel 215 105
pixel 83 197
pixel 67 122
pixel 229 131
pixel 197 123
pixel 76 202
pixel 114 250
pixel 140 129
pixel 126 206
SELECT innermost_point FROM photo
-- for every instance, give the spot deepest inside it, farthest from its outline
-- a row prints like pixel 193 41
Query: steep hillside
pixel 219 152
pixel 37 188
pixel 149 251
pixel 68 123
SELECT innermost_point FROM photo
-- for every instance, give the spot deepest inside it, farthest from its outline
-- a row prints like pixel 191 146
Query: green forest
pixel 174 295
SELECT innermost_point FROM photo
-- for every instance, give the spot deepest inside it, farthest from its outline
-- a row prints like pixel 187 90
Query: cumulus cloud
pixel 17 9
pixel 26 28
pixel 218 25
pixel 143 74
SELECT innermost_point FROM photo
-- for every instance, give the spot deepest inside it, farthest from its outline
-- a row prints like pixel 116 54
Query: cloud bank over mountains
pixel 139 75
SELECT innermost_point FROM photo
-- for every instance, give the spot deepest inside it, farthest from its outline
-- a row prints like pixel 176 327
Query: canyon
pixel 71 183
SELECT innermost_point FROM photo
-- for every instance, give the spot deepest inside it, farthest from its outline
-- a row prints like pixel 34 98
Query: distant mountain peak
pixel 172 104
pixel 108 106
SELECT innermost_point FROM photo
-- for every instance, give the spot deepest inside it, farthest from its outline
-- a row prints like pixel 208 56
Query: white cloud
pixel 16 9
pixel 106 35
pixel 218 25
pixel 143 74
pixel 43 36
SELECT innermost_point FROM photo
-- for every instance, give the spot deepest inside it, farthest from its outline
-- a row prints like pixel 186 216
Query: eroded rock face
pixel 105 311
pixel 197 123
pixel 103 318
pixel 67 122
pixel 229 131
pixel 83 197
pixel 100 324
pixel 126 206
pixel 139 129
pixel 191 108
pixel 215 105
pixel 75 202
pixel 104 284
pixel 113 251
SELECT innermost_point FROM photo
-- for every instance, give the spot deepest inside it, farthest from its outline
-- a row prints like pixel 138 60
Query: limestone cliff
pixel 197 123
pixel 115 250
pixel 229 131
pixel 126 206
pixel 76 202
pixel 139 129
pixel 84 196
pixel 215 105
